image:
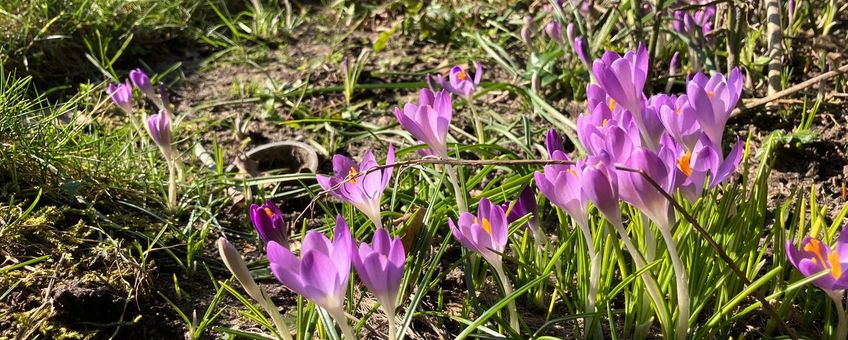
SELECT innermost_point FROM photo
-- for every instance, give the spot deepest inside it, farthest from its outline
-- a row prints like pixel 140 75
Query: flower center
pixel 352 175
pixel 832 262
pixel 461 75
pixel 677 110
pixel 486 225
pixel 571 171
pixel 612 104
pixel 683 163
pixel 710 94
pixel 604 123
pixel 269 212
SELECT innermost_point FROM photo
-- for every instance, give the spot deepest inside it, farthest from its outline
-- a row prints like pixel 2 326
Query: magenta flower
pixel 814 257
pixel 524 205
pixel 554 31
pixel 159 128
pixel 623 77
pixel 269 223
pixel 142 82
pixel 322 272
pixel 429 120
pixel 602 132
pixel 713 99
pixel 363 192
pixel 485 234
pixel 380 267
pixel 460 82
pixel 122 95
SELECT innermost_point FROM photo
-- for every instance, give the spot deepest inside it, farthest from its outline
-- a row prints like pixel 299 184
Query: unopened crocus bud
pixel 122 96
pixel 581 47
pixel 269 223
pixel 234 262
pixel 159 128
pixel 674 64
pixel 345 67
pixel 553 142
pixel 554 31
pixel 569 32
pixel 429 119
pixel 527 31
pixel 380 267
pixel 142 82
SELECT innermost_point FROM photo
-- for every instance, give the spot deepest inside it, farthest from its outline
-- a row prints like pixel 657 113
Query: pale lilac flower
pixel 562 184
pixel 363 192
pixel 380 268
pixel 159 128
pixel 429 120
pixel 714 99
pixel 623 77
pixel 639 192
pixel 122 95
pixel 554 31
pixel 527 31
pixel 322 272
pixel 269 223
pixel 485 234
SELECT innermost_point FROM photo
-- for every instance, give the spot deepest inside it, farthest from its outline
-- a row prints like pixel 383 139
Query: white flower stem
pixel 172 185
pixel 682 283
pixel 478 125
pixel 650 283
pixel 390 317
pixel 842 325
pixel 594 274
pixel 507 288
pixel 457 189
pixel 341 319
pixel 279 323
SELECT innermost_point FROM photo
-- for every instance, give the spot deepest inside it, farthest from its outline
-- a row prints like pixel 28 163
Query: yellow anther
pixel 710 94
pixel 269 212
pixel 612 104
pixel 461 75
pixel 814 246
pixel 352 175
pixel 487 226
pixel 835 265
pixel 683 163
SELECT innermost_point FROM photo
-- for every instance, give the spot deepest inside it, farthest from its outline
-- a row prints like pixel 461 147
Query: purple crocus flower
pixel 380 267
pixel 623 77
pixel 322 272
pixel 602 132
pixel 524 205
pixel 674 64
pixel 562 185
pixel 554 31
pixel 713 99
pixel 601 186
pixel 678 117
pixel 122 95
pixel 814 257
pixel 159 128
pixel 460 82
pixel 363 192
pixel 639 192
pixel 485 234
pixel 579 44
pixel 429 120
pixel 142 82
pixel 269 223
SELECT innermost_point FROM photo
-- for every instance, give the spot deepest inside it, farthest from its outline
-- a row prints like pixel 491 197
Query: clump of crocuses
pixel 158 126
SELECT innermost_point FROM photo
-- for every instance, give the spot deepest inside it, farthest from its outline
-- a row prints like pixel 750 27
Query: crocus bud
pixel 269 223
pixel 527 31
pixel 122 96
pixel 674 64
pixel 582 50
pixel 553 142
pixel 429 120
pixel 159 128
pixel 234 262
pixel 569 32
pixel 554 31
pixel 380 267
pixel 345 67
pixel 363 192
pixel 142 82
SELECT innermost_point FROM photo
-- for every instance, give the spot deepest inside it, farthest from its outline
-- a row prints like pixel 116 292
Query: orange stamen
pixel 604 123
pixel 612 104
pixel 571 171
pixel 487 226
pixel 683 163
pixel 835 266
pixel 352 175
pixel 269 212
pixel 815 247
pixel 710 94
pixel 461 75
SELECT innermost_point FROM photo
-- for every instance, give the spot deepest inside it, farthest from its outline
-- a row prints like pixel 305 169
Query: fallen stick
pixel 790 90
